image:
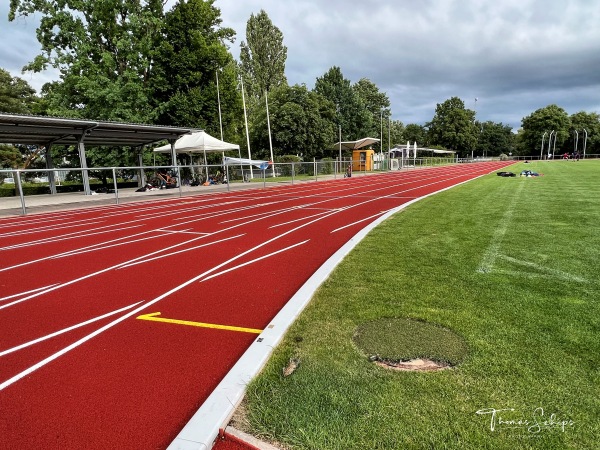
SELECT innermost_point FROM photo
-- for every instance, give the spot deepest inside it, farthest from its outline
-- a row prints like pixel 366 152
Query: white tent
pixel 198 142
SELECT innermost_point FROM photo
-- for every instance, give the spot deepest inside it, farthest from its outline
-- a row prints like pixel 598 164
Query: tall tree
pixel 453 126
pixel 352 114
pixel 495 139
pixel 103 50
pixel 302 121
pixel 415 133
pixel 377 104
pixel 16 96
pixel 262 56
pixel 185 67
pixel 544 120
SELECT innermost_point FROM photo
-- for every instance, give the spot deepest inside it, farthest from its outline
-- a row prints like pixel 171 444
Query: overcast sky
pixel 514 56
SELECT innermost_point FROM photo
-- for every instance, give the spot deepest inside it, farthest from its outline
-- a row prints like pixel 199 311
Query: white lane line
pixel 303 218
pixel 360 221
pixel 147 260
pixel 66 237
pixel 254 260
pixel 50 228
pixel 196 233
pixel 104 247
pixel 66 330
pixel 26 292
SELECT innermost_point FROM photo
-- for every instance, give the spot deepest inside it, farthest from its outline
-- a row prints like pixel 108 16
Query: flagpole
pixel 269 128
pixel 246 121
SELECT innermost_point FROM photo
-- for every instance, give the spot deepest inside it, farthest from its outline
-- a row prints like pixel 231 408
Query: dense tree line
pixel 134 61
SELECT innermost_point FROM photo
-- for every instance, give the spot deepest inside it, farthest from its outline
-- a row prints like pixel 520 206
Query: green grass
pixel 509 264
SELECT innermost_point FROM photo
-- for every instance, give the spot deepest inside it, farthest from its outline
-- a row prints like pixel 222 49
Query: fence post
pixel 293 163
pixel 115 185
pixel 17 178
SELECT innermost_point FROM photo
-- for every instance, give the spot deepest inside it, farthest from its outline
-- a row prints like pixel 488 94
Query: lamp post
pixel 584 141
pixel 576 140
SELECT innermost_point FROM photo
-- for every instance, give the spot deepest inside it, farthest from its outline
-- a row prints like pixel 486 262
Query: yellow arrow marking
pixel 154 317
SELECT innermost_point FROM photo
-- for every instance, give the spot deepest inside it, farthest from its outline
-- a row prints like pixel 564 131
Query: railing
pixel 188 179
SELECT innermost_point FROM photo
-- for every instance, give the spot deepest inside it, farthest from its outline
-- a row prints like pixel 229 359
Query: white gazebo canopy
pixel 198 142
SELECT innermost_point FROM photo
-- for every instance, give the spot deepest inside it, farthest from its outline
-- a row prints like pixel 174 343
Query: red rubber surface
pixel 135 383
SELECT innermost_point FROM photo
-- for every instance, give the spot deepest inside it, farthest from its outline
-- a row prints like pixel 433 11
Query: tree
pixel 352 114
pixel 495 139
pixel 590 122
pixel 16 96
pixel 376 103
pixel 302 122
pixel 185 68
pixel 415 133
pixel 538 126
pixel 262 56
pixel 103 51
pixel 453 126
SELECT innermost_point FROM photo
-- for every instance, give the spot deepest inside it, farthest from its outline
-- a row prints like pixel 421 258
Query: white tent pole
pixel 269 129
pixel 246 121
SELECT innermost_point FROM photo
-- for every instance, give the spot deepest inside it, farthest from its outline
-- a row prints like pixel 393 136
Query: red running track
pixel 85 359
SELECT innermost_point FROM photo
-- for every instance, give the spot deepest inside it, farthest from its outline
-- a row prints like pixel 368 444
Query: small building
pixel 362 159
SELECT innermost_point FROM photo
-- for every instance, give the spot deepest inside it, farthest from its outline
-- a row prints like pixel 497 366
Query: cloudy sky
pixel 514 56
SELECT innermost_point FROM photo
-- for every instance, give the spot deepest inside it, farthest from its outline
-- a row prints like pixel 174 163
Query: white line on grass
pixel 493 250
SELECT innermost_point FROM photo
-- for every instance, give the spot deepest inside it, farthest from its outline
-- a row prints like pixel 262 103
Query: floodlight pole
pixel 219 102
pixel 584 142
pixel 269 129
pixel 381 141
pixel 576 140
pixel 542 150
pixel 246 121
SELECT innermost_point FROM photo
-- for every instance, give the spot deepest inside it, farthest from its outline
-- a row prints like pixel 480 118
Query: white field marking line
pixel 89 248
pixel 493 250
pixel 253 261
pixel 360 221
pixel 69 236
pixel 304 218
pixel 99 272
pixel 66 330
pixel 84 339
pixel 554 272
pixel 213 214
pixel 49 227
pixel 71 253
pixel 529 274
pixel 188 209
pixel 104 247
pixel 195 233
pixel 181 251
pixel 26 292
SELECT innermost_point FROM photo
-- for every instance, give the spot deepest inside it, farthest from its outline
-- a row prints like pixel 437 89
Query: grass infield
pixel 510 265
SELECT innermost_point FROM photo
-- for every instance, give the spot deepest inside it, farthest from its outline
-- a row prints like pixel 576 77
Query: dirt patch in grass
pixel 408 344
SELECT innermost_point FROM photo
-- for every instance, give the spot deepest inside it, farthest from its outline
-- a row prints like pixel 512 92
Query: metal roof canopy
pixel 50 131
pixel 46 131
